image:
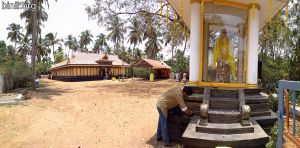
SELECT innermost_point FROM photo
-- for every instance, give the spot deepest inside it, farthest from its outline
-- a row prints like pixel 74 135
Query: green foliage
pixel 100 42
pixel 115 26
pixel 273 137
pixel 42 68
pixel 85 39
pixel 274 70
pixel 17 73
pixel 59 57
pixel 146 25
pixel 180 62
pixel 273 102
pixel 141 72
pixel 280 42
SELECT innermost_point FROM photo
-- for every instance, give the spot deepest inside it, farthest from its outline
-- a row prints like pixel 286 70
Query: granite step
pixel 191 138
pixel 216 128
pixel 194 98
pixel 260 113
pixel 224 93
pixel 262 107
pixel 255 99
pixel 223 116
pixel 224 103
pixel 254 91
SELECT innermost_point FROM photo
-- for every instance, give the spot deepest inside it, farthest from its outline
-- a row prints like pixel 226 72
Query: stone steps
pixel 223 116
pixel 260 113
pixel 227 93
pixel 194 98
pixel 224 103
pixel 256 99
pixel 200 139
pixel 226 129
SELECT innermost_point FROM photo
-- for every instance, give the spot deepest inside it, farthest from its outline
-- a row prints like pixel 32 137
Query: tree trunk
pixel 133 60
pixel 34 40
pixel 68 52
pixel 186 39
pixel 172 52
pixel 299 65
pixel 53 53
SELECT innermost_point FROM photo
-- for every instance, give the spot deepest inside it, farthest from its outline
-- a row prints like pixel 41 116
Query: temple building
pixel 88 66
pixel 159 68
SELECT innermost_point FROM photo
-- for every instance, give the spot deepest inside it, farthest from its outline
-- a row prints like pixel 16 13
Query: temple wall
pixel 87 71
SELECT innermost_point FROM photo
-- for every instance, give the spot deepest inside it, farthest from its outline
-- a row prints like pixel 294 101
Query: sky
pixel 64 17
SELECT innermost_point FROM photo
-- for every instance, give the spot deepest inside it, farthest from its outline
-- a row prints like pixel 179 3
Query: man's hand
pixel 188 112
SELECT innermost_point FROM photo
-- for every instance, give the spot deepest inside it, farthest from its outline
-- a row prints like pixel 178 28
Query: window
pixel 224 44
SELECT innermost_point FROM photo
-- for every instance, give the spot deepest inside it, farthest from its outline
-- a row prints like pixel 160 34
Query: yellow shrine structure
pixel 229 108
pixel 242 20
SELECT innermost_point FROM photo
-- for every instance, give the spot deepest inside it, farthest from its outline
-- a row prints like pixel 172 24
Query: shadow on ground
pixel 152 141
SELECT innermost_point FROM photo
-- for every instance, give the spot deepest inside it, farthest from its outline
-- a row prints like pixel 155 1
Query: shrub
pixel 42 68
pixel 141 72
pixel 273 137
pixel 16 74
pixel 273 101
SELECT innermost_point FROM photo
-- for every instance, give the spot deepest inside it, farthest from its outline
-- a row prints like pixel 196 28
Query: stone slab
pixel 224 103
pixel 12 101
pixel 259 107
pixel 256 99
pixel 194 97
pixel 223 116
pixel 234 128
pixel 224 93
pixel 198 139
pixel 260 113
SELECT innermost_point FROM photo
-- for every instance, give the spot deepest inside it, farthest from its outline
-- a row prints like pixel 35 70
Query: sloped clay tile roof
pixel 89 59
pixel 154 64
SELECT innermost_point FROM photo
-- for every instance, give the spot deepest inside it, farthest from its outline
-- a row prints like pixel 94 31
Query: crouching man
pixel 168 101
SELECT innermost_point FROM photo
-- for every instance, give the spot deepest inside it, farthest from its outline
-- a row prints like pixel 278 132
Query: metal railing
pixel 284 86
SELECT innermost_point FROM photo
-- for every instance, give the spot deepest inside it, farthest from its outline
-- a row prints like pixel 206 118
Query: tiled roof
pixel 80 58
pixel 154 64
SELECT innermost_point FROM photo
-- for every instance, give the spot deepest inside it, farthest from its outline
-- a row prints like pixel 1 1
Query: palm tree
pixel 100 42
pixel 34 21
pixel 85 39
pixel 69 42
pixel 116 30
pixel 41 16
pixel 108 50
pixel 51 40
pixel 135 35
pixel 75 45
pixel 42 49
pixel 24 48
pixel 173 37
pixel 153 43
pixel 14 35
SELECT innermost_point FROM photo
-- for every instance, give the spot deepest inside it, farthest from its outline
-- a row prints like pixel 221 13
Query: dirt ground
pixel 102 114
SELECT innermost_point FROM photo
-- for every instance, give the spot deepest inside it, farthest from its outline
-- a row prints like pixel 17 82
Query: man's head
pixel 186 91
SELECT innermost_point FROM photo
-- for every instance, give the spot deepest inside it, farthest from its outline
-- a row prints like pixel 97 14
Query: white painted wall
pixel 195 42
pixel 253 47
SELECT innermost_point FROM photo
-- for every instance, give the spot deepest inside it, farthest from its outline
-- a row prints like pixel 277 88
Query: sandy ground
pixel 85 114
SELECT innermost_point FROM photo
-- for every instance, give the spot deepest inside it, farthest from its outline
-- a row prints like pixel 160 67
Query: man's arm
pixel 180 101
pixel 182 105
